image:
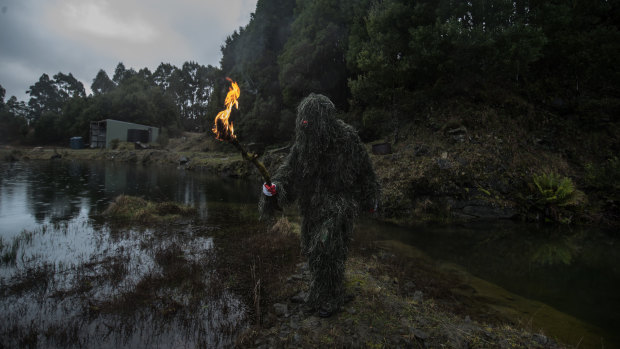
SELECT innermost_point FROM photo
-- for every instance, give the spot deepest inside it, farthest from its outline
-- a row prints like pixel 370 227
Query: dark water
pixel 49 209
pixel 575 271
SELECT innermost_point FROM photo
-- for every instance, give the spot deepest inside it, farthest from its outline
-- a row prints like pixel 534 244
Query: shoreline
pixel 415 189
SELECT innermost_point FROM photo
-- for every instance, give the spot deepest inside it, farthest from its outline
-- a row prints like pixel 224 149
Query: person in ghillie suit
pixel 328 172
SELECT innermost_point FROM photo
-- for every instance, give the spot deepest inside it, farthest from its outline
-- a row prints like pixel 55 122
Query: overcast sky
pixel 83 36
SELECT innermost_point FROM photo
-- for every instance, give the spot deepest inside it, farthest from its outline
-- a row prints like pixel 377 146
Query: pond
pixel 69 279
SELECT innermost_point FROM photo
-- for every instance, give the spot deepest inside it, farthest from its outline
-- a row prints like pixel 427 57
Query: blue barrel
pixel 76 143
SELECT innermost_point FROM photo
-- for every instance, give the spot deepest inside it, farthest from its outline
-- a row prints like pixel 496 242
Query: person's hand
pixel 269 190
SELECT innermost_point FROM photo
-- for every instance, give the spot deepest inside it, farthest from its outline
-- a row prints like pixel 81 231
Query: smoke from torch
pixel 224 130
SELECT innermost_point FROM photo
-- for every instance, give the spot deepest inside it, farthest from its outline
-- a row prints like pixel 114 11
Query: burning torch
pixel 224 131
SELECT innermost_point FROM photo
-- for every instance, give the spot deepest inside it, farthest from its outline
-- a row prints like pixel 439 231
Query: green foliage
pixel 556 197
pixel 102 83
pixel 395 56
pixel 312 59
pixel 49 96
pixel 554 189
pixel 13 124
pixel 250 57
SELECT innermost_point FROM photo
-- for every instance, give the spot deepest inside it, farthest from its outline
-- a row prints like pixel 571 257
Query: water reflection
pixel 69 280
pixel 39 192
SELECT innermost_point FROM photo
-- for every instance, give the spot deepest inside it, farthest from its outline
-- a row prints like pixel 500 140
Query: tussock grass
pixel 128 208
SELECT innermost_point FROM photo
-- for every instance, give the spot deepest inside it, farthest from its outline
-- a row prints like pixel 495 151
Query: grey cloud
pixel 35 40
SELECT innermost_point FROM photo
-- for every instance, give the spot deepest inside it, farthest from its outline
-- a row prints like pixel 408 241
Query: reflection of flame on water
pixel 222 128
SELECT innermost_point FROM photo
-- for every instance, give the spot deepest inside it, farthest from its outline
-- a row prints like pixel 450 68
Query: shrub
pixel 557 197
pixel 554 189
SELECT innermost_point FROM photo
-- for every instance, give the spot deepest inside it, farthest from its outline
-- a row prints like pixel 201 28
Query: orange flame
pixel 223 129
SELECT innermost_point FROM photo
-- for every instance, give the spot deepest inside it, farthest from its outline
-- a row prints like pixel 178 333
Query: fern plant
pixel 556 197
pixel 554 189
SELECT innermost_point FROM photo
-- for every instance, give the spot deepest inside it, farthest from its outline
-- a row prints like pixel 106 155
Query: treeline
pixel 170 97
pixel 382 62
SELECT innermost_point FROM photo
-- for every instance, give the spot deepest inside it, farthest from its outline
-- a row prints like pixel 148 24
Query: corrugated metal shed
pixel 104 131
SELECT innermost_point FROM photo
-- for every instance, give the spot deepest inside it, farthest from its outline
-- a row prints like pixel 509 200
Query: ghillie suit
pixel 329 173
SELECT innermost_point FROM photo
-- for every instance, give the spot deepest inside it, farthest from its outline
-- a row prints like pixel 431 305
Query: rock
pixel 294 323
pixel 418 296
pixel 56 156
pixel 382 149
pixel 302 266
pixel 457 131
pixel 183 160
pixel 420 149
pixel 488 212
pixel 351 310
pixel 280 309
pixel 419 334
pixel 10 158
pixel 299 298
pixel 444 164
pixel 409 285
pixel 458 134
pixel 311 323
pixel 541 339
pixel 139 145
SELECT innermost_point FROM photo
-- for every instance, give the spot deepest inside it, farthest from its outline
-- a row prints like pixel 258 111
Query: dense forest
pixel 384 64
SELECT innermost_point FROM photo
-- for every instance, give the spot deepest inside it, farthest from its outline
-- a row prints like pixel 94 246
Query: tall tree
pixel 43 97
pixel 67 86
pixel 121 73
pixel 313 59
pixel 2 94
pixel 249 56
pixel 102 83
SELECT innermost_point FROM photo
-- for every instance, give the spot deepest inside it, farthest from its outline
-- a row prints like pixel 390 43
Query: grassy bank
pixel 194 151
pixel 400 300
